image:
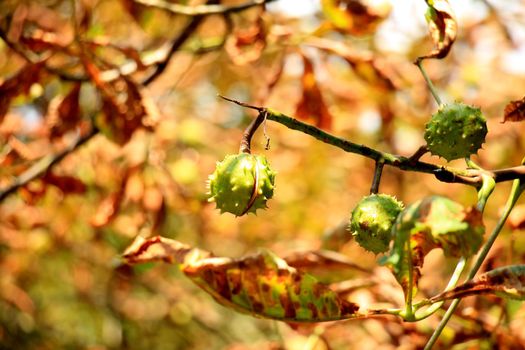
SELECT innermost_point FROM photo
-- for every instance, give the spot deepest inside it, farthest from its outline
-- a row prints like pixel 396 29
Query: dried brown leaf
pixel 66 184
pixel 109 206
pixel 311 107
pixel 123 109
pixel 514 111
pixel 322 259
pixel 261 284
pixel 64 115
pixel 18 84
pixel 508 281
pixel 442 26
pixel 246 45
pixel 50 27
pixel 367 67
pixel 356 17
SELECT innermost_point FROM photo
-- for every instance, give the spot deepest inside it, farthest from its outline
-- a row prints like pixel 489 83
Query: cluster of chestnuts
pixel 243 183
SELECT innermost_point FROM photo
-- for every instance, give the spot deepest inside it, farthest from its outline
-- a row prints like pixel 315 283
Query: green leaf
pixel 262 285
pixel 434 222
pixel 412 241
pixel 506 282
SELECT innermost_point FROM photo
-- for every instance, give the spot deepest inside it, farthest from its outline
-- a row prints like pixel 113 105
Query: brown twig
pixel 184 35
pixel 447 174
pixel 201 10
pixel 250 131
pixel 42 166
pixel 378 171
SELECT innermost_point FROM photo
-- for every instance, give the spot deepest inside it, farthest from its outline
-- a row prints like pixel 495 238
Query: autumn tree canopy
pixel 253 174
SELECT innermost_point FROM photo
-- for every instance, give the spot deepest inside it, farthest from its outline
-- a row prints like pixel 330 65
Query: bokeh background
pixel 61 235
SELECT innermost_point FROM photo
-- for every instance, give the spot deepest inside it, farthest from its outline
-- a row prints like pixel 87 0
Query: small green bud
pixel 241 183
pixel 456 131
pixel 372 221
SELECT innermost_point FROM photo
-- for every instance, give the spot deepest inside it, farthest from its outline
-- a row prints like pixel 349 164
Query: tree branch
pixel 201 10
pixel 45 164
pixel 472 177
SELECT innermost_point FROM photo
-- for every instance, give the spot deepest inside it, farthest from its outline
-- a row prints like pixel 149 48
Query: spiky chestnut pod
pixel 241 183
pixel 372 221
pixel 456 131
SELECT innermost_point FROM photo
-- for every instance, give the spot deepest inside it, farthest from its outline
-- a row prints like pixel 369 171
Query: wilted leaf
pixel 65 116
pixel 245 46
pixel 312 107
pixel 457 230
pixel 109 206
pixel 134 9
pixel 50 27
pixel 442 26
pixel 107 210
pixel 357 17
pixel 66 184
pixel 123 110
pixel 508 282
pixel 263 284
pixel 434 222
pixel 514 111
pixel 366 66
pixel 322 259
pixel 18 84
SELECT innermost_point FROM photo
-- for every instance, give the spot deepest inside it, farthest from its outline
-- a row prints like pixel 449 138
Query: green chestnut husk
pixel 372 221
pixel 456 131
pixel 241 183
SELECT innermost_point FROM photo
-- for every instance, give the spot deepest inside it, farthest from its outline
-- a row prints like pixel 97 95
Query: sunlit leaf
pixel 442 26
pixel 110 205
pixel 19 83
pixel 66 184
pixel 312 107
pixel 357 17
pixel 246 45
pixel 50 28
pixel 514 111
pixel 123 110
pixel 507 282
pixel 65 116
pixel 366 65
pixel 434 222
pixel 262 285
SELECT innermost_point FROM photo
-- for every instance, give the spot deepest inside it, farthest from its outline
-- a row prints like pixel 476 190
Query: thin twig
pixel 421 151
pixel 446 174
pixel 184 35
pixel 201 10
pixel 242 104
pixel 42 166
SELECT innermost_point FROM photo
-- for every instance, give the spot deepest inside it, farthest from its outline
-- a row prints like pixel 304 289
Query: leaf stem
pixel 517 189
pixel 250 131
pixel 378 171
pixel 431 87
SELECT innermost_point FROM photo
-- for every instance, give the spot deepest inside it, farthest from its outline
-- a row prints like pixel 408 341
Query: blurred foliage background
pixel 66 65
